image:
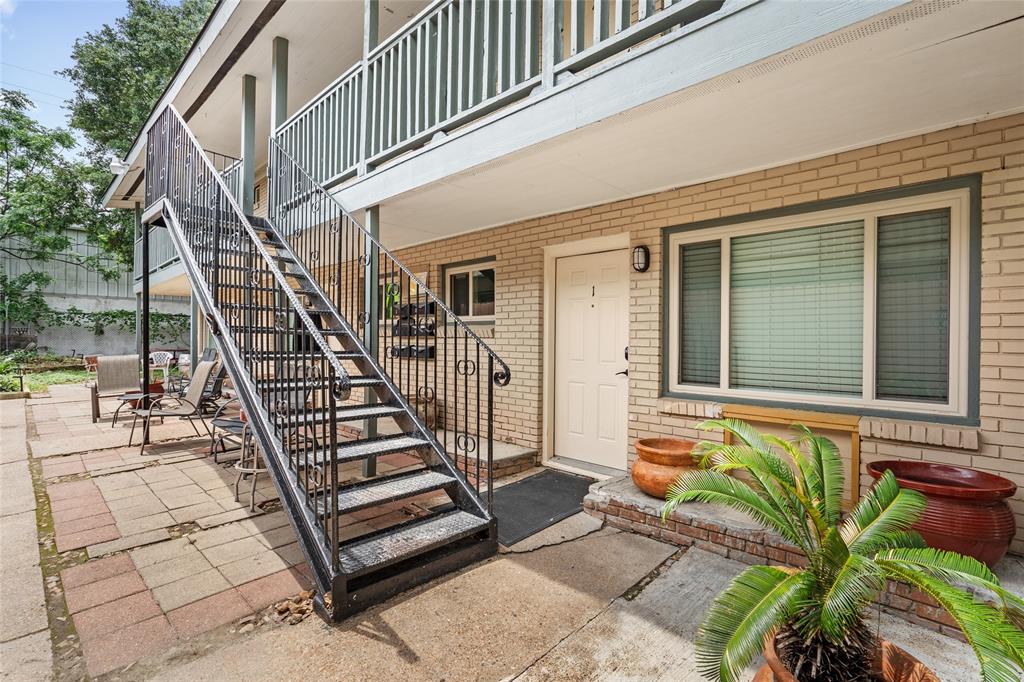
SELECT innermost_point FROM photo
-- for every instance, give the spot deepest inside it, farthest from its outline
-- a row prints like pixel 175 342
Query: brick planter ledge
pixel 731 534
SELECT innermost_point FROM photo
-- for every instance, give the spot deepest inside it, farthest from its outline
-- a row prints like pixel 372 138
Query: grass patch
pixel 40 381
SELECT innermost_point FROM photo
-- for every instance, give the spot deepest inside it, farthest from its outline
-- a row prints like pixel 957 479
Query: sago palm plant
pixel 817 614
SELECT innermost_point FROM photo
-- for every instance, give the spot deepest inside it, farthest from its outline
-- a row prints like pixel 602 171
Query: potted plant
pixel 811 621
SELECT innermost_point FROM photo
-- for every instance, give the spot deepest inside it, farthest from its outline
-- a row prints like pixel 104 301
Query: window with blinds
pixel 912 328
pixel 796 310
pixel 700 326
pixel 864 305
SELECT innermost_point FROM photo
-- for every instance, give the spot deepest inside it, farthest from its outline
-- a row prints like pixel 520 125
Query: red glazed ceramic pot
pixel 659 462
pixel 966 511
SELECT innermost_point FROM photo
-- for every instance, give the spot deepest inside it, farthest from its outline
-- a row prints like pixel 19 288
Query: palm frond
pixel 771 478
pixel 998 644
pixel 898 539
pixel 829 465
pixel 738 428
pixel 708 485
pixel 855 583
pixel 957 569
pixel 807 478
pixel 885 508
pixel 750 609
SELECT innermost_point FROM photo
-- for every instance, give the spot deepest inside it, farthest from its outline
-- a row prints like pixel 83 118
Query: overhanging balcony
pixel 460 60
pixel 447 135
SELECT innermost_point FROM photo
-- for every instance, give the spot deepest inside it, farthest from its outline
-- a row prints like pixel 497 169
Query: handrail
pixel 289 379
pixel 342 375
pixel 500 378
pixel 319 96
pixel 459 60
pixel 407 28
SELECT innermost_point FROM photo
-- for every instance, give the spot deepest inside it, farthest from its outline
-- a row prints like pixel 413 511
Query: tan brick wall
pixel 994 148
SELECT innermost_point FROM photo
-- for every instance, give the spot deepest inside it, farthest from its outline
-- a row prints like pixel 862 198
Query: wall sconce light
pixel 641 258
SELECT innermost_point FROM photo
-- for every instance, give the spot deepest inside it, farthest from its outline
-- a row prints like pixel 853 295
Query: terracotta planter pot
pixel 659 462
pixel 966 511
pixel 893 664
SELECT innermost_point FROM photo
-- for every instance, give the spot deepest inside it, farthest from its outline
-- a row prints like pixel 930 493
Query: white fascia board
pixel 210 33
pixel 746 31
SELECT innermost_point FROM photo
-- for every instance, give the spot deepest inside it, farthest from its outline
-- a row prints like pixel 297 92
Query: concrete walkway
pixel 118 565
pixel 24 628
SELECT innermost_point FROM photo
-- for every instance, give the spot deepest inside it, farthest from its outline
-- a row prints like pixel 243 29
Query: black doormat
pixel 532 504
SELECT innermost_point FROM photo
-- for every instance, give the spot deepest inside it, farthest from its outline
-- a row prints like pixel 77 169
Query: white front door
pixel 591 334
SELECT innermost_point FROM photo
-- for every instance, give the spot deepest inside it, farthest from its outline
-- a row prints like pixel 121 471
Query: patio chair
pixel 215 391
pixel 161 360
pixel 224 429
pixel 115 376
pixel 186 407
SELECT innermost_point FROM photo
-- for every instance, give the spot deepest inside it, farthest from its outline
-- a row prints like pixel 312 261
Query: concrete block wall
pixel 992 148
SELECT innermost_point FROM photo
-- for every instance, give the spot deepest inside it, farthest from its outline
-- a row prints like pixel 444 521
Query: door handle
pixel 624 372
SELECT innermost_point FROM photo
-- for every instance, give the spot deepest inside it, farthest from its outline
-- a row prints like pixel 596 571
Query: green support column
pixel 194 348
pixel 278 84
pixel 371 332
pixel 248 127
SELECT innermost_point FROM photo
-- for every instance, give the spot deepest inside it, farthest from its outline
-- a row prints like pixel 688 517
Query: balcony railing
pixel 161 249
pixel 457 61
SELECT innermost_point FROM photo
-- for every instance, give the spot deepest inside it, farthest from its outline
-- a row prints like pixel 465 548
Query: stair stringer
pixel 387 391
pixel 312 541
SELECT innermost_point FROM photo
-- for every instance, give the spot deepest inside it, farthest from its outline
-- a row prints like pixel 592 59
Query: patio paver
pixel 208 613
pixel 103 591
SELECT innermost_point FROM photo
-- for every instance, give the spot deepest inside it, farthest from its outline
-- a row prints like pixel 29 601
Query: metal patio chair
pixel 224 429
pixel 249 464
pixel 187 407
pixel 115 376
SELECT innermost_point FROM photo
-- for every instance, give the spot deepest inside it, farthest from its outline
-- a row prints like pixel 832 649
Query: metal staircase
pixel 279 298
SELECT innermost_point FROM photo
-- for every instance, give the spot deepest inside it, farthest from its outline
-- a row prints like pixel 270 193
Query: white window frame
pixel 470 269
pixel 957 201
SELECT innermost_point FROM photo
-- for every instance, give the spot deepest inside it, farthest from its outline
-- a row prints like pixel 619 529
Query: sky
pixel 36 37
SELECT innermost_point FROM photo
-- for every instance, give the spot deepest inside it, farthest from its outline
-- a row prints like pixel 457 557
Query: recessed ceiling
pixel 958 65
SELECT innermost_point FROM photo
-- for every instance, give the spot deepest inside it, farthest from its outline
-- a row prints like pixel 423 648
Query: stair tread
pixel 324 332
pixel 344 354
pixel 346 414
pixel 359 449
pixel 406 541
pixel 384 490
pixel 299 383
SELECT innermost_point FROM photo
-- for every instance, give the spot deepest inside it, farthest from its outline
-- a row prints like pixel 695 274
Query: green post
pixel 371 331
pixel 278 84
pixel 248 128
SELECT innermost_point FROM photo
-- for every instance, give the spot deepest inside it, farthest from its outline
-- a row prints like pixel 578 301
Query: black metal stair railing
pixel 288 379
pixel 439 365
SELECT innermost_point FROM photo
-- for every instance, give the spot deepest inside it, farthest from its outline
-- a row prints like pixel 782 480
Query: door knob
pixel 624 372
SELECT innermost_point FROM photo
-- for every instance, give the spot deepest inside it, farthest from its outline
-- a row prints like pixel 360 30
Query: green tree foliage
pixel 120 71
pixel 816 614
pixel 43 192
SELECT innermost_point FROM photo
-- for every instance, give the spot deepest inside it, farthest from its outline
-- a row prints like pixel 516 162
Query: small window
pixel 471 291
